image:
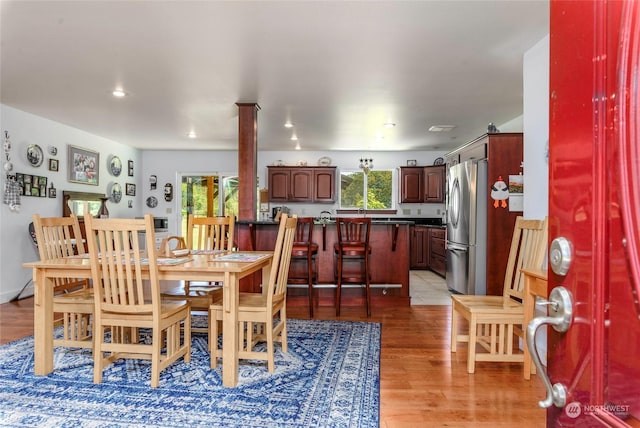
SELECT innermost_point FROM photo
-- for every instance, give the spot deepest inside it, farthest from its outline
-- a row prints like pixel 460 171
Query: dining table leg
pixel 42 323
pixel 230 341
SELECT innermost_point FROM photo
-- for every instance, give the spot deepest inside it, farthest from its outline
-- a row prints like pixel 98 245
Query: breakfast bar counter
pixel 389 241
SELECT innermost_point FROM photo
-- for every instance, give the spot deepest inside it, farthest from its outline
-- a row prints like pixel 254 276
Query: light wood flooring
pixel 422 384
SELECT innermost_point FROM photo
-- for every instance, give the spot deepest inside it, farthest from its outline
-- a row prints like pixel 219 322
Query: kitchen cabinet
pixel 419 254
pixel 437 256
pixel 428 249
pixel 302 184
pixel 423 184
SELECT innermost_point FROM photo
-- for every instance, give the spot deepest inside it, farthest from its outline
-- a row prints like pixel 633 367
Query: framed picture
pixel 412 162
pixel 130 189
pixel 53 164
pixel 52 192
pixel 84 166
pixel 130 168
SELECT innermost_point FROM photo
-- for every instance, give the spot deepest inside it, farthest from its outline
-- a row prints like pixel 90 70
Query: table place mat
pixel 169 260
pixel 240 257
pixel 208 251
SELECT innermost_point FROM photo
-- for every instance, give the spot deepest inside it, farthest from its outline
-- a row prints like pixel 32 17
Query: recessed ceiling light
pixel 192 134
pixel 119 93
pixel 441 128
pixel 389 125
pixel 288 125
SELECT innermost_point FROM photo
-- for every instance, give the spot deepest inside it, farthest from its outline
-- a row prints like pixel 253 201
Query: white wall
pixel 536 129
pixel 24 129
pixel 536 137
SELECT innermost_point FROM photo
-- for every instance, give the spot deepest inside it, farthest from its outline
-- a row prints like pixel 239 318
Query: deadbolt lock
pixel 560 255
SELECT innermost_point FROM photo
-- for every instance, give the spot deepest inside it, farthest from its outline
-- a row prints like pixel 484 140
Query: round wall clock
pixel 35 155
pixel 115 166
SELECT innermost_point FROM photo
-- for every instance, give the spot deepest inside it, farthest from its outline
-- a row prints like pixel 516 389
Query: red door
pixel 594 210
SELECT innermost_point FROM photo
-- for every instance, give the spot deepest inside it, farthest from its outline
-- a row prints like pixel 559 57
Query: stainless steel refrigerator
pixel 467 227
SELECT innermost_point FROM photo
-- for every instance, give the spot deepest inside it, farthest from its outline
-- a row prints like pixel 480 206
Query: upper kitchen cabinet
pixel 422 184
pixel 302 184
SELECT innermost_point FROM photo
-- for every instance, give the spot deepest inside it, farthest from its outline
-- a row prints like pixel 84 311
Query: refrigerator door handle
pixel 454 248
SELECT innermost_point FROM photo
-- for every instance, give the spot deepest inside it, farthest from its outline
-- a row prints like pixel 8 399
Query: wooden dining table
pixel 228 268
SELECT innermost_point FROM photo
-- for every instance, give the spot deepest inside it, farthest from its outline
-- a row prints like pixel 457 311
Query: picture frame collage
pixel 33 185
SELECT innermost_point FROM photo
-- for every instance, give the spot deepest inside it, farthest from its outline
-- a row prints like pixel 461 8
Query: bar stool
pixel 353 246
pixel 304 249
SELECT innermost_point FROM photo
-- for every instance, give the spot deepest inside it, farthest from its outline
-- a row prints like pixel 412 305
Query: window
pixel 372 191
pixel 205 196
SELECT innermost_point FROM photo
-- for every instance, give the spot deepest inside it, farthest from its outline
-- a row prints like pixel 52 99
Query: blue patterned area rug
pixel 329 378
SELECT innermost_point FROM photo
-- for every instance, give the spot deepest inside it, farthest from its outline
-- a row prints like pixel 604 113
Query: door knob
pixel 560 317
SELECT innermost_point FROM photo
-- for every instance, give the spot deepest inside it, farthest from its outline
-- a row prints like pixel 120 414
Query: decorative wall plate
pixel 438 161
pixel 116 193
pixel 115 166
pixel 35 155
pixel 324 161
pixel 152 202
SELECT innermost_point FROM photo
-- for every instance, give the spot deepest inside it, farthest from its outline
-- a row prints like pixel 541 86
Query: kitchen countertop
pixel 421 221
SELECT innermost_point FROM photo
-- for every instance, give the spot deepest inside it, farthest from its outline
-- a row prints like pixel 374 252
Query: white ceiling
pixel 338 70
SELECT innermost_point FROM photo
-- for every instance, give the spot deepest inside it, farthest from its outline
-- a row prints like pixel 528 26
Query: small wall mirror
pixel 78 202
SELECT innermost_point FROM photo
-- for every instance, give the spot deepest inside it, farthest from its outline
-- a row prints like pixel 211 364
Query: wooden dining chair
pixel 204 234
pixel 126 299
pixel 495 322
pixel 261 308
pixel 352 249
pixel 56 238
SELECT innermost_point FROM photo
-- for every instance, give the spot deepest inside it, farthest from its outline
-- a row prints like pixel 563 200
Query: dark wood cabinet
pixel 324 185
pixel 427 249
pixel 434 184
pixel 437 257
pixel 302 184
pixel 419 247
pixel 411 184
pixel 422 184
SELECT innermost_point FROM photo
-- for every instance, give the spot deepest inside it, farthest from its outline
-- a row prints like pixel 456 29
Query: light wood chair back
pixel 277 286
pixel 210 233
pixel 56 238
pixel 204 233
pixel 127 297
pixel 528 249
pixel 59 237
pixel 259 311
pixel 496 322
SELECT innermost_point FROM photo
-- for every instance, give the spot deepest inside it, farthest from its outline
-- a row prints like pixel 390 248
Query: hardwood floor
pixel 421 382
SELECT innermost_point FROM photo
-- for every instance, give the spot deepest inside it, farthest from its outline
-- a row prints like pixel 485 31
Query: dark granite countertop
pixel 422 221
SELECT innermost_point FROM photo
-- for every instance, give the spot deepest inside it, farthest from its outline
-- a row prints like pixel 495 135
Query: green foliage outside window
pixel 378 185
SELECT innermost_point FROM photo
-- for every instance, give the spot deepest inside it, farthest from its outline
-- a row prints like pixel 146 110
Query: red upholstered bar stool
pixel 305 250
pixel 351 249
